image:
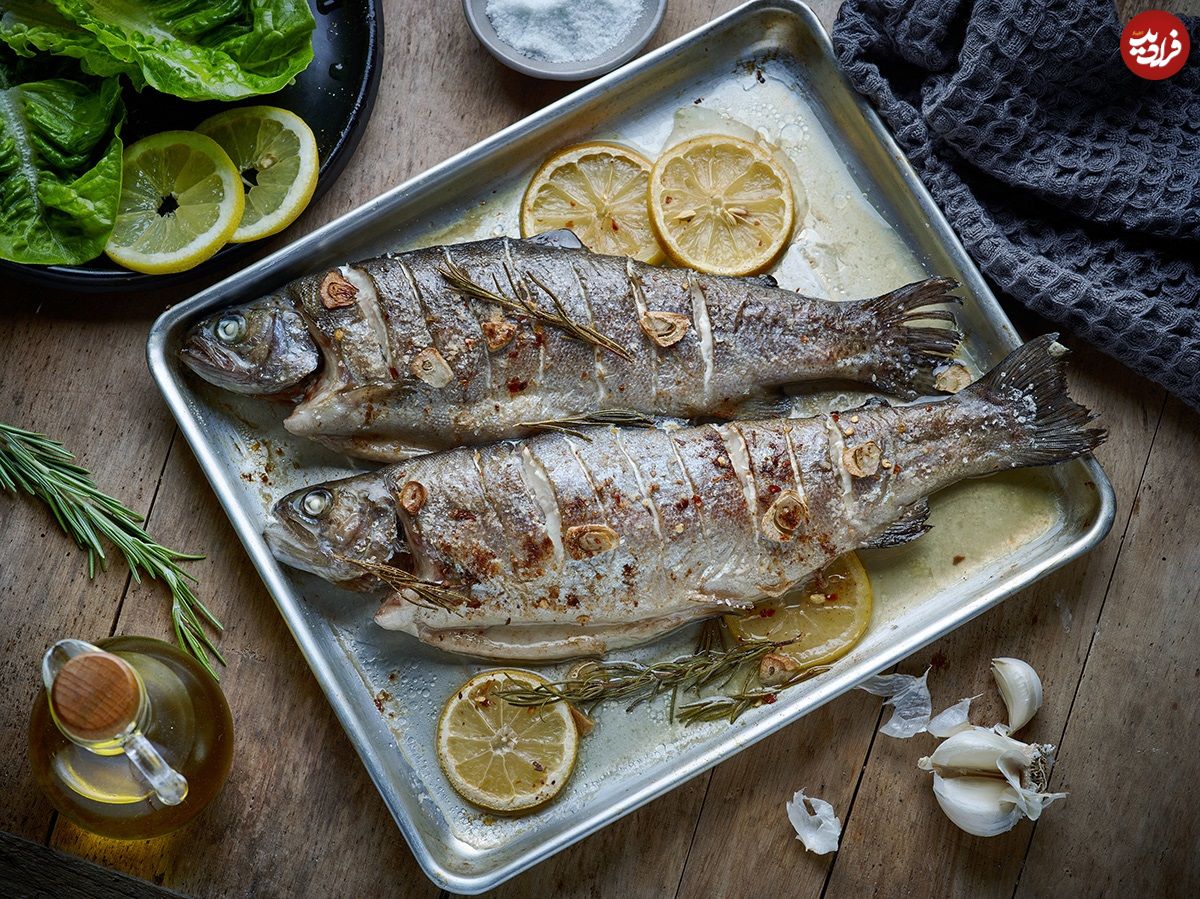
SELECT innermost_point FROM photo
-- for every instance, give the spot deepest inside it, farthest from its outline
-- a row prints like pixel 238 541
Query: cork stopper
pixel 95 696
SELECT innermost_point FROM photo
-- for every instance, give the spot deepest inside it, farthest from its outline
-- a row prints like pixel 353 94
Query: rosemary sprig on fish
pixel 469 344
pixel 568 548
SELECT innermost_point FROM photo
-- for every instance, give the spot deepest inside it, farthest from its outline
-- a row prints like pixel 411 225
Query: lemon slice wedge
pixel 598 191
pixel 181 201
pixel 822 621
pixel 276 154
pixel 721 205
pixel 503 757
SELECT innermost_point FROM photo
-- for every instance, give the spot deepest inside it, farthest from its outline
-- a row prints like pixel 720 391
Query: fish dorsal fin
pixel 908 527
pixel 563 238
pixel 765 280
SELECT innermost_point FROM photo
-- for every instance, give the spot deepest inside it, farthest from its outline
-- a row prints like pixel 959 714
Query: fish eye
pixel 316 502
pixel 230 328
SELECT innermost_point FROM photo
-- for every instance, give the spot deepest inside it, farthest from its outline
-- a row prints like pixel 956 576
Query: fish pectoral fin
pixel 758 405
pixel 563 238
pixel 912 523
pixel 721 603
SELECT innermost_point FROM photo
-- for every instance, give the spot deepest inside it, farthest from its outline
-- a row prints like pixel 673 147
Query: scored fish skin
pixel 412 365
pixel 563 546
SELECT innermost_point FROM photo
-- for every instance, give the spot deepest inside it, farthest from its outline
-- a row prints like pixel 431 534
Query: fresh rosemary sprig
pixel 410 587
pixel 527 305
pixel 45 469
pixel 571 424
pixel 594 682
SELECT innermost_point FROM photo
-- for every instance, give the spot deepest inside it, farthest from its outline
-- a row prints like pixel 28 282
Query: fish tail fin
pixel 902 326
pixel 1029 388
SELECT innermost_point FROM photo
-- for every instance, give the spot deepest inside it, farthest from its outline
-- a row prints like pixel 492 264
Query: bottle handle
pixel 169 785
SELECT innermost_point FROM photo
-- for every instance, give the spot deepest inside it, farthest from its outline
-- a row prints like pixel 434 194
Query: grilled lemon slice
pixel 822 622
pixel 181 201
pixel 597 190
pixel 276 154
pixel 721 204
pixel 500 756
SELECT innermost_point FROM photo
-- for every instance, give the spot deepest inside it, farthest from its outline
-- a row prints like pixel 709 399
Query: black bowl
pixel 334 95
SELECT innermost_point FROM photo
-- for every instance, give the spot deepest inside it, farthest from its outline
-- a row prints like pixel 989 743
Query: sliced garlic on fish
pixel 982 806
pixel 432 368
pixel 908 696
pixel 952 720
pixel 664 328
pixel 1021 689
pixel 337 291
pixel 820 829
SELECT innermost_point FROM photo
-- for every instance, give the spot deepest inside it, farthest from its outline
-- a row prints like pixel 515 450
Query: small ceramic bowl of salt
pixel 565 40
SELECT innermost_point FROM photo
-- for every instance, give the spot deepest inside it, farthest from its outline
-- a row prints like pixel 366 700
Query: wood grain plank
pixel 1131 825
pixel 743 835
pixel 897 841
pixel 31 871
pixel 77 374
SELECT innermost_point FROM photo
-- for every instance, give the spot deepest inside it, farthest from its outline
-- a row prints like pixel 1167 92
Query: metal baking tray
pixel 869 224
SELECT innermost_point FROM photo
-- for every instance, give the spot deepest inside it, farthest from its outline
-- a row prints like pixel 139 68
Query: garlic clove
pixel 1021 689
pixel 982 806
pixel 976 750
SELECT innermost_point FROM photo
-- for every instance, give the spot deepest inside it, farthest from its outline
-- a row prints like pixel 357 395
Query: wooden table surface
pixel 1115 636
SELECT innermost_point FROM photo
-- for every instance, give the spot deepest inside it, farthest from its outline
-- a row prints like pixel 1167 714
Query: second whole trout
pixel 558 546
pixel 411 353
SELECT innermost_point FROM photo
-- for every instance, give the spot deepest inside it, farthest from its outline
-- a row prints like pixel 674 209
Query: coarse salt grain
pixel 563 30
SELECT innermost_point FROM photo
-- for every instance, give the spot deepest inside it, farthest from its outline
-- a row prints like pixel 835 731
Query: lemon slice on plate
pixel 503 757
pixel 721 205
pixel 181 201
pixel 821 621
pixel 276 153
pixel 597 190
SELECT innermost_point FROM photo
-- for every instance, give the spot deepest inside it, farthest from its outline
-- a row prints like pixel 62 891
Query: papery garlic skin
pixel 982 806
pixel 1021 689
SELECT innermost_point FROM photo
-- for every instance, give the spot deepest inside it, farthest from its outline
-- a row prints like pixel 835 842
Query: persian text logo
pixel 1155 44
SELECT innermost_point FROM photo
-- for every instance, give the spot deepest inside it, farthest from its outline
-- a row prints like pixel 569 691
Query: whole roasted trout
pixel 469 344
pixel 559 545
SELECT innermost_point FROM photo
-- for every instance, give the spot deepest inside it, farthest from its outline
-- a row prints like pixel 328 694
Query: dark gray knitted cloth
pixel 1074 184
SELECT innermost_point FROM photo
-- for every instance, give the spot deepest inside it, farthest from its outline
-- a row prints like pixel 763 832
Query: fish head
pixel 263 347
pixel 322 527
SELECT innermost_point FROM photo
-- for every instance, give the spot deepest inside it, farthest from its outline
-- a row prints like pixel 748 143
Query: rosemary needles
pixel 595 682
pixel 45 469
pixel 525 304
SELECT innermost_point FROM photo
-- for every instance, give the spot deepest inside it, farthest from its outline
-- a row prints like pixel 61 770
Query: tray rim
pixel 273 577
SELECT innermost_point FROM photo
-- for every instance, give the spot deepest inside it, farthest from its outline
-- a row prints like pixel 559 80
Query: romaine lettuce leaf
pixel 195 49
pixel 60 166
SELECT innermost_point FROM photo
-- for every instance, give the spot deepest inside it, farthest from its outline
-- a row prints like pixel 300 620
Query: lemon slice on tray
pixel 721 204
pixel 181 201
pixel 503 757
pixel 823 620
pixel 598 190
pixel 276 154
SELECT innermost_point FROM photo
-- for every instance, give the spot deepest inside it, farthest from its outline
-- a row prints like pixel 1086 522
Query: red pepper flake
pixel 959 559
pixel 766 613
pixel 774 488
pixel 769 699
pixel 833 415
pixel 516 385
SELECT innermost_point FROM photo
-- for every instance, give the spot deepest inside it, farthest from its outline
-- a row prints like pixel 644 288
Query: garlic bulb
pixel 983 806
pixel 986 781
pixel 1021 689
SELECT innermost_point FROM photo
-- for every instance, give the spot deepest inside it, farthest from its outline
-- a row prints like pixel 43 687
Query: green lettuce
pixel 60 166
pixel 195 49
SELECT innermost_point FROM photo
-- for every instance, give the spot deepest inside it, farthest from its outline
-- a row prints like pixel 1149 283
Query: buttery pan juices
pixel 61 114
